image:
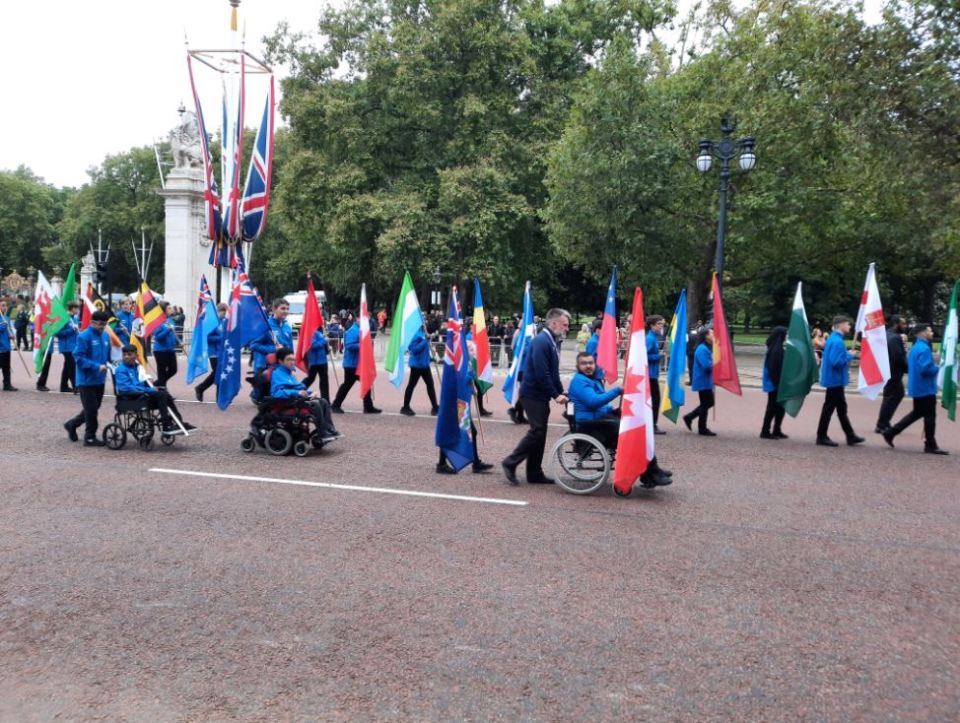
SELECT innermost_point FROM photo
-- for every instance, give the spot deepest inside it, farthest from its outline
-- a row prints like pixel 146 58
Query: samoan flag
pixel 456 392
pixel 256 193
pixel 207 321
pixel 511 385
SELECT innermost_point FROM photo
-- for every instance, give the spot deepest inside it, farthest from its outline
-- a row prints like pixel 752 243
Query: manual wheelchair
pixel 134 417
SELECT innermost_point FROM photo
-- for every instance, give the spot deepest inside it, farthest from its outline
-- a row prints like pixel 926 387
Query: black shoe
pixel 706 433
pixel 780 435
pixel 512 413
pixel 510 473
pixel 443 468
pixel 434 411
pixel 767 435
pixel 10 388
pixel 648 481
pixel 42 388
pixel 482 466
pixel 406 411
pixel 888 435
pixel 372 410
pixel 665 472
pixel 94 443
pixel 826 442
pixel 65 390
pixel 662 480
pixel 198 394
pixel 71 432
pixel 689 422
pixel 75 390
pixel 880 430
pixel 854 440
pixel 934 450
pixel 485 413
pixel 189 427
pixel 540 480
pixel 657 430
pixel 336 410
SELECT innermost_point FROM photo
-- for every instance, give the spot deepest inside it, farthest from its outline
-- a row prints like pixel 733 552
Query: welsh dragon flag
pixel 49 316
pixel 799 371
pixel 948 360
pixel 874 362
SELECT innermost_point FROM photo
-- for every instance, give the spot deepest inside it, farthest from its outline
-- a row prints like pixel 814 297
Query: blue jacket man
pixel 922 373
pixel 419 369
pixel 655 325
pixel 215 339
pixel 703 367
pixel 125 317
pixel 67 342
pixel 126 378
pixel 279 336
pixel 590 400
pixel 317 355
pixel 834 376
pixel 351 359
pixel 419 351
pixel 164 349
pixel 164 338
pixel 593 342
pixel 91 354
pixel 351 347
pixel 5 329
pixel 702 382
pixel 541 369
pixel 284 385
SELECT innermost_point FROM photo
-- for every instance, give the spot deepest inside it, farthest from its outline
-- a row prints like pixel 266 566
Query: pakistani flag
pixel 407 321
pixel 799 362
pixel 948 360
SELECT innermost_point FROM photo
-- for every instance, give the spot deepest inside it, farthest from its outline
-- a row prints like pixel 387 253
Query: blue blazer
pixel 835 364
pixel 541 369
pixel 283 385
pixel 653 353
pixel 317 355
pixel 702 380
pixel 419 351
pixel 590 400
pixel 921 370
pixel 351 347
pixel 91 352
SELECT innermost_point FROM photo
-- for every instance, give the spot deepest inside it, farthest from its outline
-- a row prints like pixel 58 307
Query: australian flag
pixel 246 321
pixel 256 192
pixel 456 391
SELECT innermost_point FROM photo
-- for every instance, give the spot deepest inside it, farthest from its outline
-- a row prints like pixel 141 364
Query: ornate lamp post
pixel 435 294
pixel 725 150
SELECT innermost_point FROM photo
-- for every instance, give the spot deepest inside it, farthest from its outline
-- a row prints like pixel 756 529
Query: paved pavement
pixel 771 581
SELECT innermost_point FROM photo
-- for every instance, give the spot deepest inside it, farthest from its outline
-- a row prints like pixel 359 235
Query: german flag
pixel 149 310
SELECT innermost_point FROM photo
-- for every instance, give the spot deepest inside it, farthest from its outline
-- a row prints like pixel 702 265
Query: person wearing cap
pixel 91 354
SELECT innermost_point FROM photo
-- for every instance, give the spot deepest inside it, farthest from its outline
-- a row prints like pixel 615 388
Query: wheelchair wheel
pixel 278 441
pixel 146 441
pixel 301 448
pixel 114 436
pixel 167 439
pixel 139 427
pixel 579 463
pixel 248 444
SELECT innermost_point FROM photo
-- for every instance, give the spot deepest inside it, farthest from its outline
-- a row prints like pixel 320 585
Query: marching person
pixel 66 341
pixel 317 362
pixel 279 335
pixel 655 325
pixel 284 385
pixel 922 385
pixel 129 384
pixel 594 341
pixel 351 359
pixel 124 320
pixel 702 383
pixel 772 367
pixel 5 347
pixel 165 348
pixel 834 377
pixel 541 384
pixel 21 323
pixel 420 358
pixel 91 354
pixel 214 342
pixel 893 389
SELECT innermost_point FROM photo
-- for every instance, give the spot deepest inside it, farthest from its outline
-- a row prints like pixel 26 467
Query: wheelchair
pixel 281 426
pixel 134 417
pixel 581 463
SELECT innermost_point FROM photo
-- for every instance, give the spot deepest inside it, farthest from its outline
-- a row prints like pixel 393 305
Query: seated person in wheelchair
pixel 284 385
pixel 595 415
pixel 129 385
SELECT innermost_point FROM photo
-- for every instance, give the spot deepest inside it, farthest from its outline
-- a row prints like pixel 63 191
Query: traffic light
pixel 101 275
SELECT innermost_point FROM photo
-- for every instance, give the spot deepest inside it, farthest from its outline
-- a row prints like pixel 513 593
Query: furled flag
pixel 673 395
pixel 228 361
pixel 481 341
pixel 149 309
pixel 69 292
pixel 407 321
pixel 49 316
pixel 367 367
pixel 635 444
pixel 799 372
pixel 725 372
pixel 453 419
pixel 607 348
pixel 874 362
pixel 198 362
pixel 511 385
pixel 312 320
pixel 211 198
pixel 948 359
pixel 231 186
pixel 256 193
pixel 136 337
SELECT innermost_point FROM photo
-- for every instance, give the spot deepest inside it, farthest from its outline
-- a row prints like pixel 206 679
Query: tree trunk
pixel 698 288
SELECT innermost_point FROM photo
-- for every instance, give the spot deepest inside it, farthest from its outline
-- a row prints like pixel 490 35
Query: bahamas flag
pixel 511 385
pixel 673 395
pixel 407 321
pixel 481 341
pixel 453 420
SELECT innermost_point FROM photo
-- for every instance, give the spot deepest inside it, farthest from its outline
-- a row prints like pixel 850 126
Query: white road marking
pixel 331 485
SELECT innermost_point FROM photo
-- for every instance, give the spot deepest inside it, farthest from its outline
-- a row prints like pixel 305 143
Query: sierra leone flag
pixel 948 360
pixel 407 321
pixel 799 361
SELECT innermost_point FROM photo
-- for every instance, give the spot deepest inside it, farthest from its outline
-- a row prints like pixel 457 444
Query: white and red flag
pixel 635 445
pixel 367 368
pixel 871 325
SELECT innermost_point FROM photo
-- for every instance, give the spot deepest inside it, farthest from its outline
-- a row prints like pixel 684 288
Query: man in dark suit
pixel 893 390
pixel 541 384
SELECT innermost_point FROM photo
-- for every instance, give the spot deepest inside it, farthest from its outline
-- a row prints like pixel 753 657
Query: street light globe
pixel 748 160
pixel 704 160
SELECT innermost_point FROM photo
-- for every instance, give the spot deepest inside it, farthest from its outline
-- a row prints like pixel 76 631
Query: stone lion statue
pixel 185 142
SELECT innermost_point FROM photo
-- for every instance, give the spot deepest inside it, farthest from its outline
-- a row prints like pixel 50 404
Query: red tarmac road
pixel 772 580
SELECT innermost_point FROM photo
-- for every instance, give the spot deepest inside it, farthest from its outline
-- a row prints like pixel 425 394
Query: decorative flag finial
pixel 234 4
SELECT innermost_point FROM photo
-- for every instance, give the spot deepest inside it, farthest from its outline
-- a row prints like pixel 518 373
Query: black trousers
pixel 924 408
pixel 479 398
pixel 166 366
pixel 534 441
pixel 655 399
pixel 162 401
pixel 320 410
pixel 892 396
pixel 22 337
pixel 68 373
pixel 45 371
pixel 836 401
pixel 774 413
pixel 319 371
pixel 605 429
pixel 210 379
pixel 417 373
pixel 349 379
pixel 706 402
pixel 90 398
pixel 5 368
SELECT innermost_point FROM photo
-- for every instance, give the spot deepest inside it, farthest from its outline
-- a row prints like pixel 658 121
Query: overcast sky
pixel 82 79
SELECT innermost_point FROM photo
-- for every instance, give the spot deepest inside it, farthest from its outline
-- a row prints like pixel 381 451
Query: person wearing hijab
pixel 772 366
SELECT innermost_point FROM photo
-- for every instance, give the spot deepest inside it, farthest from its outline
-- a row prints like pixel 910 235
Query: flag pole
pixel 25 367
pixel 476 403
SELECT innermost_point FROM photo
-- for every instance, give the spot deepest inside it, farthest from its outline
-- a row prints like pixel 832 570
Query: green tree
pixel 28 211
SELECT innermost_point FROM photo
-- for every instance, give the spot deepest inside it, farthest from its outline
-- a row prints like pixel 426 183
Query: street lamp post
pixel 435 294
pixel 725 150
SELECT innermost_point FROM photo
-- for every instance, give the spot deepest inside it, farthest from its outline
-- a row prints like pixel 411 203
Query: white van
pixel 297 301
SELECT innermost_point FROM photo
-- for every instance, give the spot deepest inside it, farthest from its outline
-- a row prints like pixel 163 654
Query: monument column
pixel 187 249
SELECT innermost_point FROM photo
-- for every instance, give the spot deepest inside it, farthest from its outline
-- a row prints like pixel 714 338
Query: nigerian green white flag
pixel 407 321
pixel 948 359
pixel 799 361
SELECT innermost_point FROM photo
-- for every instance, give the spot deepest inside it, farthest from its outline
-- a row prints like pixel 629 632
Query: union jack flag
pixel 453 352
pixel 256 194
pixel 211 196
pixel 203 297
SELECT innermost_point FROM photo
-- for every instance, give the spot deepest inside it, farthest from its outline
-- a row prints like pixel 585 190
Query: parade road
pixel 772 580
